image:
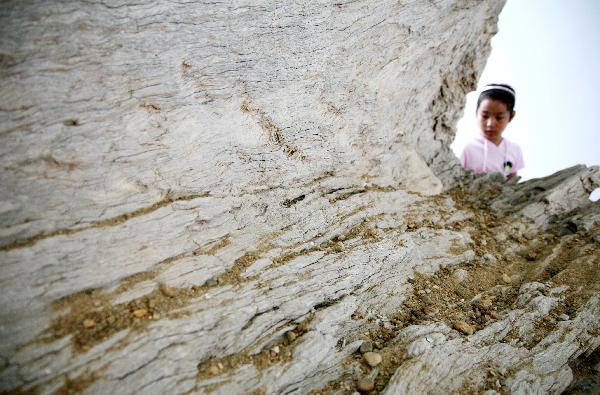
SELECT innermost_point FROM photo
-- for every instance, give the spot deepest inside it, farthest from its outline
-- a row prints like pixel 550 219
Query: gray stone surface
pixel 129 103
pixel 251 187
pixel 449 363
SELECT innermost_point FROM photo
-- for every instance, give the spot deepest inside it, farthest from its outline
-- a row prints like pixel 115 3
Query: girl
pixel 490 152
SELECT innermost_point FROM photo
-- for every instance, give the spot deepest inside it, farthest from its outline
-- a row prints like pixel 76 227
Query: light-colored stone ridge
pixel 234 197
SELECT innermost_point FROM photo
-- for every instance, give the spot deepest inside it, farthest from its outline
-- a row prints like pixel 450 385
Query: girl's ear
pixel 512 116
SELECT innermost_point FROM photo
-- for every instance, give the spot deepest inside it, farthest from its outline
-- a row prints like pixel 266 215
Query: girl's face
pixel 493 117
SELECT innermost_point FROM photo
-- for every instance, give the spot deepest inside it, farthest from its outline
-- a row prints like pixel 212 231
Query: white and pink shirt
pixel 483 156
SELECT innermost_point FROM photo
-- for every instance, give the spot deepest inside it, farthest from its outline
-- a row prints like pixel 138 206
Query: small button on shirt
pixel 483 156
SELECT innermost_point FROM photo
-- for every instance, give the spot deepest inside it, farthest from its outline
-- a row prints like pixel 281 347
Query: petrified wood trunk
pixel 235 196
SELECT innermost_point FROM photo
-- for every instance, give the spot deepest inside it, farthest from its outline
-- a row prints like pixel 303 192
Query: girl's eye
pixel 499 118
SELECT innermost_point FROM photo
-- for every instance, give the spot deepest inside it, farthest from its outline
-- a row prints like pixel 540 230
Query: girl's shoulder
pixel 511 145
pixel 476 142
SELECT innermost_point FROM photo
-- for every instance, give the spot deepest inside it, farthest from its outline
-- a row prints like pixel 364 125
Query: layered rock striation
pixel 249 197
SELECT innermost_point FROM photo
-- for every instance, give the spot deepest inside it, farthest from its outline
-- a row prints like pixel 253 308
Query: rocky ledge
pixel 201 197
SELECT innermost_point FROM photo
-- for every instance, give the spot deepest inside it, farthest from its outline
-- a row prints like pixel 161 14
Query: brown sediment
pixel 290 202
pixel 348 192
pixel 20 391
pixel 77 385
pixel 279 351
pixel 233 274
pixel 485 296
pixel 150 106
pixel 185 65
pixel 334 245
pixel 357 210
pixel 567 260
pixel 114 221
pixel 380 188
pixel 346 195
pixel 70 386
pixel 273 132
pixel 91 317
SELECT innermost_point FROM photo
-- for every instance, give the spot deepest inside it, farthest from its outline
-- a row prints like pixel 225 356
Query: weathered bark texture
pixel 231 197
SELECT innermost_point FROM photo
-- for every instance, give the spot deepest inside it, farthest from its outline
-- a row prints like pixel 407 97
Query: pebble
pixel 463 327
pixel 213 370
pixel 139 313
pixel 506 278
pixel 167 291
pixel 531 256
pixel 563 317
pixel 339 246
pixel 372 233
pixel 493 314
pixel 372 358
pixel 366 347
pixel 485 303
pixel 365 384
pixel 97 303
pixel 461 274
pixel 276 350
pixel 88 323
pixel 290 336
pixel 212 283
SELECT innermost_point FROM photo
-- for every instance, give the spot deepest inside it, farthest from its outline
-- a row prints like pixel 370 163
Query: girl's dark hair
pixel 506 95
